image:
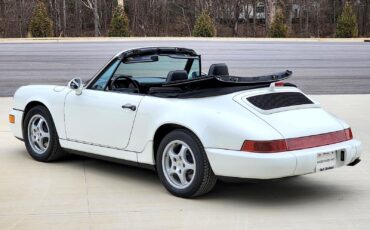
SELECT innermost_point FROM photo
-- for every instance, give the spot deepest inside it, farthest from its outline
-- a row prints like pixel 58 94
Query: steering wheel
pixel 129 79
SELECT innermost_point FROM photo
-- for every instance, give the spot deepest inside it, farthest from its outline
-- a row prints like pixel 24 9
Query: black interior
pixel 220 69
pixel 177 75
pixel 177 84
pixel 124 83
pixel 130 84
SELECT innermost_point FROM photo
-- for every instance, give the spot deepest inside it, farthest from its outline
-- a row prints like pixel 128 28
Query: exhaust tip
pixel 355 162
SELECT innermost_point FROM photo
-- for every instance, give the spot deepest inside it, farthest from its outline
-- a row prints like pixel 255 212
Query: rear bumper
pixel 16 128
pixel 230 163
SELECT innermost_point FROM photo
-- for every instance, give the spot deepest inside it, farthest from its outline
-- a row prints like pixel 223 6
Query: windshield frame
pixel 144 51
pixel 187 65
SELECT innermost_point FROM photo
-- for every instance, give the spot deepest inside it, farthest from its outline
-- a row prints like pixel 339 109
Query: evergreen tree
pixel 204 26
pixel 278 28
pixel 347 23
pixel 41 25
pixel 119 26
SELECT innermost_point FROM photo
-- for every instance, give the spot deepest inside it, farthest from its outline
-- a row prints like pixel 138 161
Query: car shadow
pixel 288 191
pixel 112 169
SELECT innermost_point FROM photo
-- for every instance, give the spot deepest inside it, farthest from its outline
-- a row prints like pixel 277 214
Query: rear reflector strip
pixel 291 144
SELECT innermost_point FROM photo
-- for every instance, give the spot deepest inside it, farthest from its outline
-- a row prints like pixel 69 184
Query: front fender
pixel 47 95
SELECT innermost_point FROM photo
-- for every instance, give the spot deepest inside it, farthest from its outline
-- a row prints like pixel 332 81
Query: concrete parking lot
pixel 83 193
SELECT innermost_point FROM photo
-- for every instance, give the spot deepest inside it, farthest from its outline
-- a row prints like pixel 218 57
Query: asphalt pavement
pixel 318 67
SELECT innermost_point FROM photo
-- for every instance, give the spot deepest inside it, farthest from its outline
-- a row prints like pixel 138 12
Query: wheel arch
pixel 163 130
pixel 31 105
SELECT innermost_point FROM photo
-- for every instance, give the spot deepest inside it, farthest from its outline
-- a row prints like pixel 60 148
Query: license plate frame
pixel 326 161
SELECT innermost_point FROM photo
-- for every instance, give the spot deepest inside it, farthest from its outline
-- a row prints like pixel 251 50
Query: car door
pixel 100 118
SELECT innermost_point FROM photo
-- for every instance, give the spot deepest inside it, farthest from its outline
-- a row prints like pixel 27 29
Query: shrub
pixel 119 26
pixel 347 23
pixel 41 25
pixel 278 28
pixel 204 26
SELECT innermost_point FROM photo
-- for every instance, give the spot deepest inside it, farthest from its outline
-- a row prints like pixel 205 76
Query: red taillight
pixel 264 146
pixel 349 134
pixel 291 144
pixel 279 84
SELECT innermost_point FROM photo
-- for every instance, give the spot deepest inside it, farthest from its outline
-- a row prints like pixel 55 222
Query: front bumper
pixel 231 163
pixel 16 128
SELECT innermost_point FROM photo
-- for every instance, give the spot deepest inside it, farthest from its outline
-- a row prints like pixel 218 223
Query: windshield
pixel 158 66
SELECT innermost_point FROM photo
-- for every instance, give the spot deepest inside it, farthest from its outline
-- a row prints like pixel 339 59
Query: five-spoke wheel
pixel 179 164
pixel 182 165
pixel 40 136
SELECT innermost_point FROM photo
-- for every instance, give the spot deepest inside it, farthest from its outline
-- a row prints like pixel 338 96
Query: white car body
pixel 94 122
pixel 89 123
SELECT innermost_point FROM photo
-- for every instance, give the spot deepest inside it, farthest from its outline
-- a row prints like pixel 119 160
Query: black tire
pixel 203 179
pixel 53 151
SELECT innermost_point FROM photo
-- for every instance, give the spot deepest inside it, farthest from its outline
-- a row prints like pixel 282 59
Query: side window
pixel 194 70
pixel 105 76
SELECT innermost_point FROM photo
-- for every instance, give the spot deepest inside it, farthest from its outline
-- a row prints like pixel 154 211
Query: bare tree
pixel 365 19
pixel 254 5
pixel 237 10
pixel 93 6
pixel 2 17
pixel 121 3
pixel 64 18
pixel 270 11
pixel 177 17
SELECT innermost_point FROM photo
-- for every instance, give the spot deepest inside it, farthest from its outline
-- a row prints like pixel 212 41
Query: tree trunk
pixel 300 21
pixel 96 18
pixel 133 21
pixel 236 18
pixel 78 25
pixel 334 12
pixel 254 18
pixel 20 18
pixel 265 12
pixel 307 29
pixel 64 19
pixel 2 18
pixel 121 3
pixel 57 18
pixel 317 12
pixel 247 30
pixel 365 19
pixel 288 16
pixel 270 9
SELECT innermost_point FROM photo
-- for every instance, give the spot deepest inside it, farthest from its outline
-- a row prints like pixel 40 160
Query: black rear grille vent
pixel 278 100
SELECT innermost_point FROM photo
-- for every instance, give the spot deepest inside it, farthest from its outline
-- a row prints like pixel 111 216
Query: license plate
pixel 326 161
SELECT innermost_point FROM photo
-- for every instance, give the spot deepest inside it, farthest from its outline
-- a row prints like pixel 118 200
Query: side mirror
pixel 76 84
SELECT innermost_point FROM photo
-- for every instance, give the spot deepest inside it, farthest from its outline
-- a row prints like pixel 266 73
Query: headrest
pixel 177 75
pixel 218 69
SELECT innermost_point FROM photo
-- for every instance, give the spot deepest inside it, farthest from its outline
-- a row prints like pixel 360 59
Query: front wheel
pixel 40 136
pixel 182 165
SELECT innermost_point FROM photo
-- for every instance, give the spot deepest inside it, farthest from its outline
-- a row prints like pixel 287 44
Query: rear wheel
pixel 40 136
pixel 182 165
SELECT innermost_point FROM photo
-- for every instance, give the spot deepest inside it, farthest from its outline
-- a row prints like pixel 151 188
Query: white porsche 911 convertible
pixel 153 107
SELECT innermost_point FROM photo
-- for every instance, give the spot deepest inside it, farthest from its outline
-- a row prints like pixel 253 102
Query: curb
pixel 130 39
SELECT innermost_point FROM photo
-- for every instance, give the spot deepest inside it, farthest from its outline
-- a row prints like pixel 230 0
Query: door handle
pixel 129 106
